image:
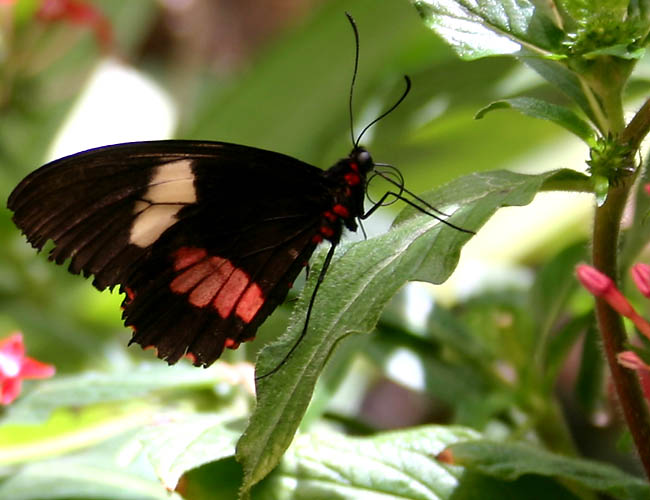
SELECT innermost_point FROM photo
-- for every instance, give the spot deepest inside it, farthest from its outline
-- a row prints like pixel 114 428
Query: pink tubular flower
pixel 641 275
pixel 15 366
pixel 631 360
pixel 601 285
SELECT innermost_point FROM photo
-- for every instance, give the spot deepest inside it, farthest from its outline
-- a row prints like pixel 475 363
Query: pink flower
pixel 15 366
pixel 601 285
pixel 631 360
pixel 647 188
pixel 641 275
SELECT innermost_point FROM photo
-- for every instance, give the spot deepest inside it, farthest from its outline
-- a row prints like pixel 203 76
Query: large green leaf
pixel 362 279
pixel 395 465
pixel 182 444
pixel 509 461
pixel 490 27
pixel 110 471
pixel 398 464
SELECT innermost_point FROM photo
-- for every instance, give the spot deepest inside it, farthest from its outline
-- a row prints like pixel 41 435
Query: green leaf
pixel 589 384
pixel 491 27
pixel 181 445
pixel 95 387
pixel 564 79
pixel 362 279
pixel 391 465
pixel 549 296
pixel 621 50
pixel 560 345
pixel 509 461
pixel 110 471
pixel 538 108
pixel 589 13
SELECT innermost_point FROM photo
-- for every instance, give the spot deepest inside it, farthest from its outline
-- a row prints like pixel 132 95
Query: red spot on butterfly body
pixel 352 178
pixel 329 216
pixel 317 238
pixel 341 211
pixel 328 232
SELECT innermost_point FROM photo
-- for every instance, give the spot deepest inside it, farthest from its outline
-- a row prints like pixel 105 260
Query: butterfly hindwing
pixel 204 238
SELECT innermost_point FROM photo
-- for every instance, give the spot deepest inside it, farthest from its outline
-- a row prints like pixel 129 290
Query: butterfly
pixel 203 238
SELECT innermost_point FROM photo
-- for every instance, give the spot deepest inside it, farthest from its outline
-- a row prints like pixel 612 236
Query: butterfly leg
pixel 321 277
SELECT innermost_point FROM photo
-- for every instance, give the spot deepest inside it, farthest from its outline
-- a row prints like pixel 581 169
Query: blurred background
pixel 276 75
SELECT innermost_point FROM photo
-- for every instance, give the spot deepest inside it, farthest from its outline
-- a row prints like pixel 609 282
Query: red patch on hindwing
pixel 250 303
pixel 229 294
pixel 196 273
pixel 206 290
pixel 231 344
pixel 186 256
pixel 211 280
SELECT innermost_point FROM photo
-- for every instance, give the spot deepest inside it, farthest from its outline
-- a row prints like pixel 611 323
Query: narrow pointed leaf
pixel 537 108
pixel 564 79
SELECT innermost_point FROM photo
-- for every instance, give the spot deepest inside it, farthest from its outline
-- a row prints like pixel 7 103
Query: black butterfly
pixel 204 238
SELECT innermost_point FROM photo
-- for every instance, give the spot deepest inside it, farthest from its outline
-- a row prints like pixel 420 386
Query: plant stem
pixel 630 395
pixel 638 128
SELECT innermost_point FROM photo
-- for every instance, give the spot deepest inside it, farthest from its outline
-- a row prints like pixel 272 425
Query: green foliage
pixel 513 460
pixel 489 360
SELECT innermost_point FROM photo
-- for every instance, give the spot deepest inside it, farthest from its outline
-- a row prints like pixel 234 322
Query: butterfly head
pixel 361 157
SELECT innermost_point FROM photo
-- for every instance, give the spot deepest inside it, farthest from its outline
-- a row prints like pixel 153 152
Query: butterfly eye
pixel 364 160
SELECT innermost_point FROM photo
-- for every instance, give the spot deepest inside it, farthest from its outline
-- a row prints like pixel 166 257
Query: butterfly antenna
pixel 354 73
pixel 387 112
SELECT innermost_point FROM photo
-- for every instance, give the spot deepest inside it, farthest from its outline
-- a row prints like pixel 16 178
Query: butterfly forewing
pixel 203 238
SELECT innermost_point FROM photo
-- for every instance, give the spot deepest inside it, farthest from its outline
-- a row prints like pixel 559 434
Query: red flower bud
pixel 641 275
